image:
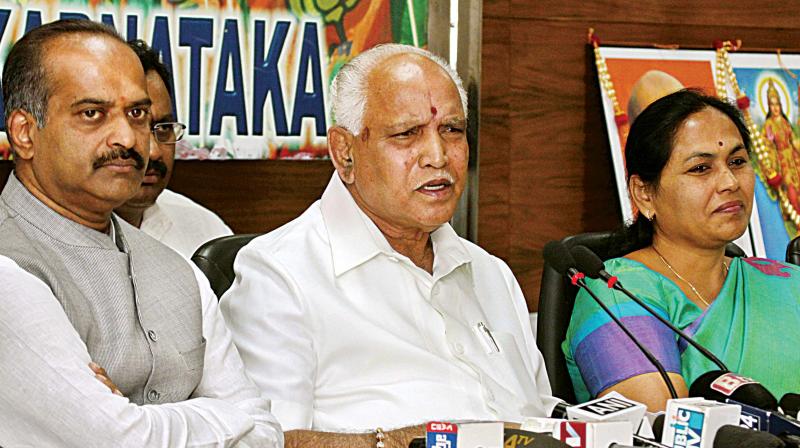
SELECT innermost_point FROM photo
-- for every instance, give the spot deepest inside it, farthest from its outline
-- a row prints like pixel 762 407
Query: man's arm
pixel 224 376
pixel 51 397
pixel 531 350
pixel 266 315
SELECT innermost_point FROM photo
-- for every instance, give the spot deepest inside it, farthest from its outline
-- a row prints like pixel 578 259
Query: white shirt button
pixel 458 348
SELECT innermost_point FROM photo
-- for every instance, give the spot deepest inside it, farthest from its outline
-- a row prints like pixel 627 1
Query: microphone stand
pixel 577 279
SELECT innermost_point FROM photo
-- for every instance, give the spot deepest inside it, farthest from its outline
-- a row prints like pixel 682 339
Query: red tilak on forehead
pixel 365 135
pixel 433 111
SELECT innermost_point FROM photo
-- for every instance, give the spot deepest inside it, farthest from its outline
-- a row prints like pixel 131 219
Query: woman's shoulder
pixel 769 269
pixel 629 266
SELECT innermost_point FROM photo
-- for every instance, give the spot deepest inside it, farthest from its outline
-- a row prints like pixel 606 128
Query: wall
pixel 545 166
pixel 251 196
pixel 545 169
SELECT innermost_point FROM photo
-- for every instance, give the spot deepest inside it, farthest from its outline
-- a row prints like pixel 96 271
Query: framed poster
pixel 771 83
pixel 641 76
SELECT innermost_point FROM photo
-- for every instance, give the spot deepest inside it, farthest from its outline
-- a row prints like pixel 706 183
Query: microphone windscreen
pixel 557 255
pixel 658 426
pixel 790 404
pixel 587 261
pixel 518 438
pixel 730 436
pixel 718 386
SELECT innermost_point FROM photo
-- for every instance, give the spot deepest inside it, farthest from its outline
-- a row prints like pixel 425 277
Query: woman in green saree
pixel 689 175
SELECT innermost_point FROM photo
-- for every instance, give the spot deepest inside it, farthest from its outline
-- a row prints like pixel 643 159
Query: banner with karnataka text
pixel 251 76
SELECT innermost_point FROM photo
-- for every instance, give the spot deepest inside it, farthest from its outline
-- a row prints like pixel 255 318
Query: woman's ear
pixel 340 148
pixel 642 196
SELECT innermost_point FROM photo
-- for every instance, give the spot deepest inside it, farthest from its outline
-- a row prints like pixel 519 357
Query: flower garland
pixel 765 160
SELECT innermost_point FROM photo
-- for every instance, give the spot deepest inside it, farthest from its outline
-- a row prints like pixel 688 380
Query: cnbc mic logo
pixel 688 425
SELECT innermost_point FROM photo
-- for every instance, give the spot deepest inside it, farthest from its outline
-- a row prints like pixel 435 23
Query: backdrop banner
pixel 251 76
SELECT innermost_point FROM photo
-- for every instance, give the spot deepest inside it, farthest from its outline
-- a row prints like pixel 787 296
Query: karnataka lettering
pixel 256 102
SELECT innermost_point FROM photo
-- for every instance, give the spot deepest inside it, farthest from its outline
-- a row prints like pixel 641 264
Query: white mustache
pixel 443 175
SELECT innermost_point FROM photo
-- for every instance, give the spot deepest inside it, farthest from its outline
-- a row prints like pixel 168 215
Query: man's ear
pixel 340 148
pixel 21 129
pixel 642 196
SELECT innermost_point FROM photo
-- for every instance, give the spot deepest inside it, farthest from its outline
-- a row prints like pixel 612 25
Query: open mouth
pixel 435 186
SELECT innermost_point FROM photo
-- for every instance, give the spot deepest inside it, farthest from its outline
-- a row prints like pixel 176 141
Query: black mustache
pixel 157 165
pixel 123 154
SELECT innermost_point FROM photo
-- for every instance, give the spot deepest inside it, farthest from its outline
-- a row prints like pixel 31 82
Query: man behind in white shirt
pixel 368 311
pixel 169 217
pixel 97 289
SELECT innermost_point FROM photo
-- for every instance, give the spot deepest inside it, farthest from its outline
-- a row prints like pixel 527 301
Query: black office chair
pixel 556 300
pixel 215 259
pixel 793 251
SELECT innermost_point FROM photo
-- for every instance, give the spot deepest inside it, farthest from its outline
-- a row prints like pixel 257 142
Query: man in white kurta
pixel 181 223
pixel 51 397
pixel 169 217
pixel 368 311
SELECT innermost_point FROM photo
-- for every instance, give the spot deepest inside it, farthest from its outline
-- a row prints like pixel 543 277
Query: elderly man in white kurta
pixel 368 310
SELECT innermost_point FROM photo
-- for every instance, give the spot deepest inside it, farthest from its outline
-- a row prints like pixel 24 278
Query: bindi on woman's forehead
pixel 434 111
pixel 720 143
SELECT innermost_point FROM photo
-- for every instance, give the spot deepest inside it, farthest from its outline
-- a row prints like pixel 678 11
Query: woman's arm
pixel 649 389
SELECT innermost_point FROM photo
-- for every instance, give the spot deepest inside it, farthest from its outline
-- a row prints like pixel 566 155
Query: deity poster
pixel 251 76
pixel 772 84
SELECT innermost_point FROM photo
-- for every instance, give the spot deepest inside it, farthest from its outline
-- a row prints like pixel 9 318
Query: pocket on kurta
pixel 194 358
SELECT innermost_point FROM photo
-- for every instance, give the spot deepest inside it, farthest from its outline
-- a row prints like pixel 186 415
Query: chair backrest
pixel 556 300
pixel 215 259
pixel 793 251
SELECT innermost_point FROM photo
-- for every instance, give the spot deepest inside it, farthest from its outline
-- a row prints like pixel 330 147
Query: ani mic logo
pixel 607 406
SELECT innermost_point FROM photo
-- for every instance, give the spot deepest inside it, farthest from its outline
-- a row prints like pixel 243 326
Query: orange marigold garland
pixel 765 161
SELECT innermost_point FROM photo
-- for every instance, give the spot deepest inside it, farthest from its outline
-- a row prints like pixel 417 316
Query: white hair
pixel 349 88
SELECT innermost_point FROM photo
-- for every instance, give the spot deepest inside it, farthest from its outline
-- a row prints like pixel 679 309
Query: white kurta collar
pixel 355 239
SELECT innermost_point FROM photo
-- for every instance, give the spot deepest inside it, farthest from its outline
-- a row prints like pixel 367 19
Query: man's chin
pixel 142 201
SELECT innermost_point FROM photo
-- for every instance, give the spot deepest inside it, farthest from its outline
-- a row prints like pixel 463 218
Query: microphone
pixel 658 426
pixel 790 404
pixel 730 436
pixel 588 262
pixel 759 407
pixel 558 256
pixel 694 422
pixel 612 407
pixel 721 386
pixel 594 434
pixel 444 434
pixel 518 438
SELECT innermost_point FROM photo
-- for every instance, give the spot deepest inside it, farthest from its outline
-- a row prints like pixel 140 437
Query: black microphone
pixel 558 256
pixel 790 405
pixel 589 263
pixel 730 436
pixel 720 386
pixel 658 426
pixel 758 405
